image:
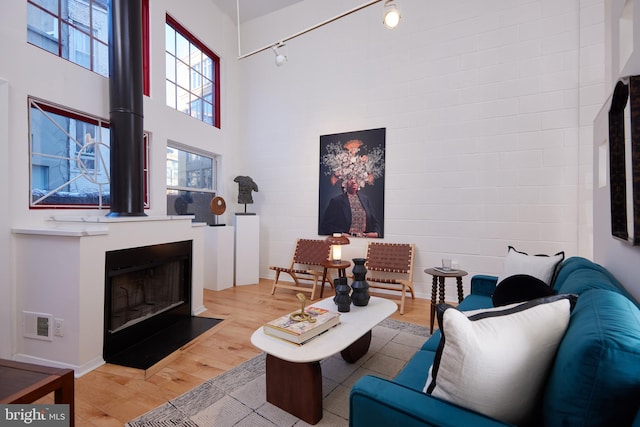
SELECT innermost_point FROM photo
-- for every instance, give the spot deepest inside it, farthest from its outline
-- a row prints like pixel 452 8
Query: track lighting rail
pixel 293 36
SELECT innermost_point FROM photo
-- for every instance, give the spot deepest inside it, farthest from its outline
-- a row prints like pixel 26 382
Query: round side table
pixel 437 286
pixel 341 266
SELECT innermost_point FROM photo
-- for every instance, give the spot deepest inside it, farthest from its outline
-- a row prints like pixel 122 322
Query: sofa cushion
pixel 595 380
pixel 474 302
pixel 414 374
pixel 578 274
pixel 544 267
pixel 520 288
pixel 471 302
pixel 495 362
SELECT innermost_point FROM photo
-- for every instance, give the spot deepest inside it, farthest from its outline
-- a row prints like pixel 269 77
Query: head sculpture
pixel 246 186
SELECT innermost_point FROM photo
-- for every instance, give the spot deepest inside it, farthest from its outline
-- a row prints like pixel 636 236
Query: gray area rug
pixel 238 396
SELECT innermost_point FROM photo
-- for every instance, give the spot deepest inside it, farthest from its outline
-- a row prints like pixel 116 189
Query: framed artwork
pixel 351 183
pixel 624 160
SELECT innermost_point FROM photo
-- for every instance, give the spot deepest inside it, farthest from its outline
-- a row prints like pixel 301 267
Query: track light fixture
pixel 391 16
pixel 281 59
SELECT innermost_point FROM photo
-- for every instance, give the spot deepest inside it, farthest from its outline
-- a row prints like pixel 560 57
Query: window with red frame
pixel 78 31
pixel 69 158
pixel 193 75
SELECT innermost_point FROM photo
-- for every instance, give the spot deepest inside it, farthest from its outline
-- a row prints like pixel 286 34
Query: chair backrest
pixel 311 252
pixel 391 258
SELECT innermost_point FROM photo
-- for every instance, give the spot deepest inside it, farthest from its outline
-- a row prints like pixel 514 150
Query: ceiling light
pixel 281 59
pixel 391 16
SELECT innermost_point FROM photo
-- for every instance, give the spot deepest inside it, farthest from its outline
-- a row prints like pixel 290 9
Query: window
pixel 78 30
pixel 191 183
pixel 193 73
pixel 69 154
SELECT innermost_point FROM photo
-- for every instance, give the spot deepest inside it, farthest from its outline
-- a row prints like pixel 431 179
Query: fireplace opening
pixel 148 304
pixel 147 289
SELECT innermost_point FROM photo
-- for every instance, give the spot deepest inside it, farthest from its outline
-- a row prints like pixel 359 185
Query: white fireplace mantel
pixel 60 271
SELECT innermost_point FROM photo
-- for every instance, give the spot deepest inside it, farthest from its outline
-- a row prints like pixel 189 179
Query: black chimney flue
pixel 126 103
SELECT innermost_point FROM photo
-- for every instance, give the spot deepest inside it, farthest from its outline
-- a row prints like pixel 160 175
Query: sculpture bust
pixel 246 186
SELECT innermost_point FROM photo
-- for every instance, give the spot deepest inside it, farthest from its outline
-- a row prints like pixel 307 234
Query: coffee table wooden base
pixel 297 387
pixel 358 349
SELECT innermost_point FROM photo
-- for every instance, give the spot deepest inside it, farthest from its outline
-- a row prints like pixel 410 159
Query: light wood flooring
pixel 112 395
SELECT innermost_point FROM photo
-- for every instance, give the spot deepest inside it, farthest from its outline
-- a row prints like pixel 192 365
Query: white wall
pixel 488 109
pixel 619 257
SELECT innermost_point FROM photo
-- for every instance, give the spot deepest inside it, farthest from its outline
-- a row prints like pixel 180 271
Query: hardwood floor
pixel 112 395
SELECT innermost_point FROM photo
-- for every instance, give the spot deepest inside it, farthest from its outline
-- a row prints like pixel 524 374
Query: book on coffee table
pixel 301 332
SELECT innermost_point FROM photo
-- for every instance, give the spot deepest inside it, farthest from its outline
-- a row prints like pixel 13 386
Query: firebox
pixel 147 289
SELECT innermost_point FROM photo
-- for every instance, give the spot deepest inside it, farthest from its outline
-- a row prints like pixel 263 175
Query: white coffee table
pixel 294 377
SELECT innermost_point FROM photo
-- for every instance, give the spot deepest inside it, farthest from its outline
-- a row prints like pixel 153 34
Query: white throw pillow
pixel 495 362
pixel 543 267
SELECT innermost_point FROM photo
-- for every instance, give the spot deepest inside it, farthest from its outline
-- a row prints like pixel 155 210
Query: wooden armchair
pixel 390 267
pixel 308 254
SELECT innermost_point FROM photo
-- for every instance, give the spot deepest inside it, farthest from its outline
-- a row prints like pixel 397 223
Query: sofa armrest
pixel 376 401
pixel 482 284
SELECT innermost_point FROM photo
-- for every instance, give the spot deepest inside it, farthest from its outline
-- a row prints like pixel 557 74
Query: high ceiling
pixel 251 9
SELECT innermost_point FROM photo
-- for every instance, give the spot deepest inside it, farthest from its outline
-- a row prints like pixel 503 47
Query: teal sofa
pixel 594 380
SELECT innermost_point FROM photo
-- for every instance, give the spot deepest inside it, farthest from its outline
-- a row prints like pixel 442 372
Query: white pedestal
pixel 218 257
pixel 247 262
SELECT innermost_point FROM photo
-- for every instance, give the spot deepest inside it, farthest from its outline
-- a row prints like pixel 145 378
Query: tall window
pixel 78 30
pixel 191 183
pixel 193 74
pixel 69 154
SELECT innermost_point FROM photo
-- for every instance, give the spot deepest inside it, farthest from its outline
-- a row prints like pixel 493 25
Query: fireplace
pixel 147 289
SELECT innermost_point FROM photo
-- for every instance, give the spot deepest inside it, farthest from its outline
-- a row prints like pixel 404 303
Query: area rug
pixel 238 396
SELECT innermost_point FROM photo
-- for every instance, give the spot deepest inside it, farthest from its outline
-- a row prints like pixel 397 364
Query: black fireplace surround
pixel 147 289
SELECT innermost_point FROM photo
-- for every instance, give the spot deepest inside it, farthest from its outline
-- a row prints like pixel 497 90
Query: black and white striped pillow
pixel 495 362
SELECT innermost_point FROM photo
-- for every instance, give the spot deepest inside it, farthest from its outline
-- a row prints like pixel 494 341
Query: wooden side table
pixel 26 383
pixel 340 266
pixel 437 286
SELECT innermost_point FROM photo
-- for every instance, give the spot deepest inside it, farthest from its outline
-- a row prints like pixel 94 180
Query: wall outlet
pixel 58 327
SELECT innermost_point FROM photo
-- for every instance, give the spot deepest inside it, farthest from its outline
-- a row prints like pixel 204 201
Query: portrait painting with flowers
pixel 351 196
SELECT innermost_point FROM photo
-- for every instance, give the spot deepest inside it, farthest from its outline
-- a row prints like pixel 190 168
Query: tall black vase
pixel 342 298
pixel 360 294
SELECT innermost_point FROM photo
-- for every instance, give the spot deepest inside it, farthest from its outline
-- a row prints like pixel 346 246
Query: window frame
pixel 215 72
pixel 146 67
pixel 185 199
pixel 215 165
pixel 88 32
pixel 70 113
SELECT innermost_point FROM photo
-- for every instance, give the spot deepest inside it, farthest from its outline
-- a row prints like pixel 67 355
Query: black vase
pixel 360 295
pixel 342 298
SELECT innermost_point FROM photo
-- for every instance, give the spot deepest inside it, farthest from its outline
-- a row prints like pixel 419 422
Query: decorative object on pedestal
pixel 342 298
pixel 336 241
pixel 360 295
pixel 218 206
pixel 246 186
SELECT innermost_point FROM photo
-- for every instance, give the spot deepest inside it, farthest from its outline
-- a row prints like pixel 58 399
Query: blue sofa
pixel 594 381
